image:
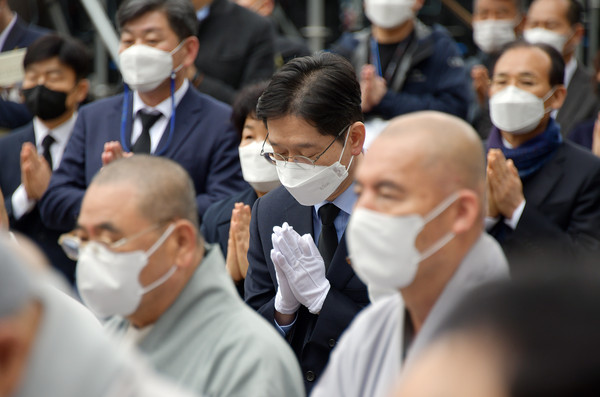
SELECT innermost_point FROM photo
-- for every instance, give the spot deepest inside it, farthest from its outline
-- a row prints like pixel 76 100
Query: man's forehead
pixel 523 60
pixel 151 21
pixel 548 10
pixel 496 5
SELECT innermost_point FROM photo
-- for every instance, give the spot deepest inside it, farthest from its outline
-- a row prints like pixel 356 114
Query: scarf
pixel 533 154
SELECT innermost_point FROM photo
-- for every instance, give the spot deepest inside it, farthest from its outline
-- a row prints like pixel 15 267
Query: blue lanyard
pixel 126 101
pixel 393 65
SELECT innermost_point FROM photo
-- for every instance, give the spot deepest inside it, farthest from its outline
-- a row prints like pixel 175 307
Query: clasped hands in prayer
pixel 300 271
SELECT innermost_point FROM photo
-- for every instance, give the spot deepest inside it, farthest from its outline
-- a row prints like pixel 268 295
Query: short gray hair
pixel 180 13
pixel 166 191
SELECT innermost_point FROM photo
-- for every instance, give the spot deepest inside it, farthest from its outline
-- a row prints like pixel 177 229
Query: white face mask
pixel 544 36
pixel 257 171
pixel 491 34
pixel 517 111
pixel 108 281
pixel 144 68
pixel 382 247
pixel 312 186
pixel 388 14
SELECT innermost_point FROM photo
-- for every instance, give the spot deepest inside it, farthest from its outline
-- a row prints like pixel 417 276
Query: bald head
pixel 450 149
pixel 163 189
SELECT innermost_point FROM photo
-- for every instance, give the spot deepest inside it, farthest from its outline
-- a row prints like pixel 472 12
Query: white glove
pixel 302 265
pixel 285 301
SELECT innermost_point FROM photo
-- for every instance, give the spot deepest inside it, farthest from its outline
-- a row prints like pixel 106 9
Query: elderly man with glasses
pixel 299 277
pixel 143 265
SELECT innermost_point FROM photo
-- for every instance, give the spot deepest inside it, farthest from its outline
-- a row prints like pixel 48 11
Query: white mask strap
pixel 161 280
pixel 344 148
pixel 441 207
pixel 161 240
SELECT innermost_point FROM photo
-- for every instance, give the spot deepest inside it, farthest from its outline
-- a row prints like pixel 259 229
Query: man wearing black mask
pixel 53 87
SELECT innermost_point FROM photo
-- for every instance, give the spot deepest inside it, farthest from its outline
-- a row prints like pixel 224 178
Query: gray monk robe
pixel 211 343
pixel 369 357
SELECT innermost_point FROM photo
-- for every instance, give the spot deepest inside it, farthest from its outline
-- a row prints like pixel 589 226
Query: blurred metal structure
pixel 315 31
pixel 105 30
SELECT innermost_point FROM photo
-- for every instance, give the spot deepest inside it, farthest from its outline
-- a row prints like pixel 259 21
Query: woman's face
pixel 254 130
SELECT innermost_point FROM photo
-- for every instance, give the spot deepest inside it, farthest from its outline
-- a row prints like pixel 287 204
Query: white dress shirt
pixel 6 31
pixel 21 204
pixel 165 108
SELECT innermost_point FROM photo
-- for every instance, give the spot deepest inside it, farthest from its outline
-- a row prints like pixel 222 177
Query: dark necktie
pixel 328 240
pixel 46 143
pixel 142 145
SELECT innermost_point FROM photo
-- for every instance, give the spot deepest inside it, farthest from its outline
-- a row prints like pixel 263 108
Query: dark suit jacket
pixel 581 102
pixel 204 143
pixel 312 336
pixel 217 220
pixel 29 224
pixel 560 224
pixel 12 114
pixel 236 48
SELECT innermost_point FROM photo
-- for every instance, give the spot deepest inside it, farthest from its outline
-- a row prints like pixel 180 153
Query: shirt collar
pixel 6 32
pixel 344 201
pixel 165 106
pixel 203 13
pixel 570 70
pixel 61 134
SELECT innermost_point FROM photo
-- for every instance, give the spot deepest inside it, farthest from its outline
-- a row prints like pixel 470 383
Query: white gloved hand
pixel 285 301
pixel 300 262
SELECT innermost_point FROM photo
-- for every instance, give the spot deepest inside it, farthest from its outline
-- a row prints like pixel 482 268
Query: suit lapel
pixel 340 271
pixel 184 117
pixel 300 217
pixel 542 182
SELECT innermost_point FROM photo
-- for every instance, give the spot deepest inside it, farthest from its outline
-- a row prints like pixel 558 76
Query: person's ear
pixel 12 357
pixel 185 237
pixel 468 211
pixel 191 50
pixel 356 139
pixel 558 97
pixel 81 90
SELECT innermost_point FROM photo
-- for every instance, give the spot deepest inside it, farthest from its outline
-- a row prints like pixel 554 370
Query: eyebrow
pixel 305 145
pixel 105 226
pixel 390 185
pixel 144 31
pixel 522 74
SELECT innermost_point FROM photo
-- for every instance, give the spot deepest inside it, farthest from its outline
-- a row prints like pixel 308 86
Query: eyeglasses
pixel 301 162
pixel 71 244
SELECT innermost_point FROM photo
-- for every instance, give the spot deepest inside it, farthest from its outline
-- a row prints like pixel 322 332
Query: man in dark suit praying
pixel 543 192
pixel 54 85
pixel 315 127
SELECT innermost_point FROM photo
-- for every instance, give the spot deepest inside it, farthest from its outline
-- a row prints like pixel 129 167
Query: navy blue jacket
pixel 12 114
pixel 29 224
pixel 204 143
pixel 435 77
pixel 217 220
pixel 312 336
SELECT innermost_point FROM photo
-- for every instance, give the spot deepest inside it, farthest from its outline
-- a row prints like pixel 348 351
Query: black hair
pixel 69 51
pixel 321 89
pixel 180 13
pixel 244 104
pixel 574 12
pixel 549 326
pixel 557 64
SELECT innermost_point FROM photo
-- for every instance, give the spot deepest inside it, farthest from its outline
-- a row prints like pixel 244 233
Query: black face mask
pixel 45 103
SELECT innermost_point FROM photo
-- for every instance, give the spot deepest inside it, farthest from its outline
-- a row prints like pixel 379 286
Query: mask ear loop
pixel 341 154
pixel 546 97
pixel 443 206
pixel 151 251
